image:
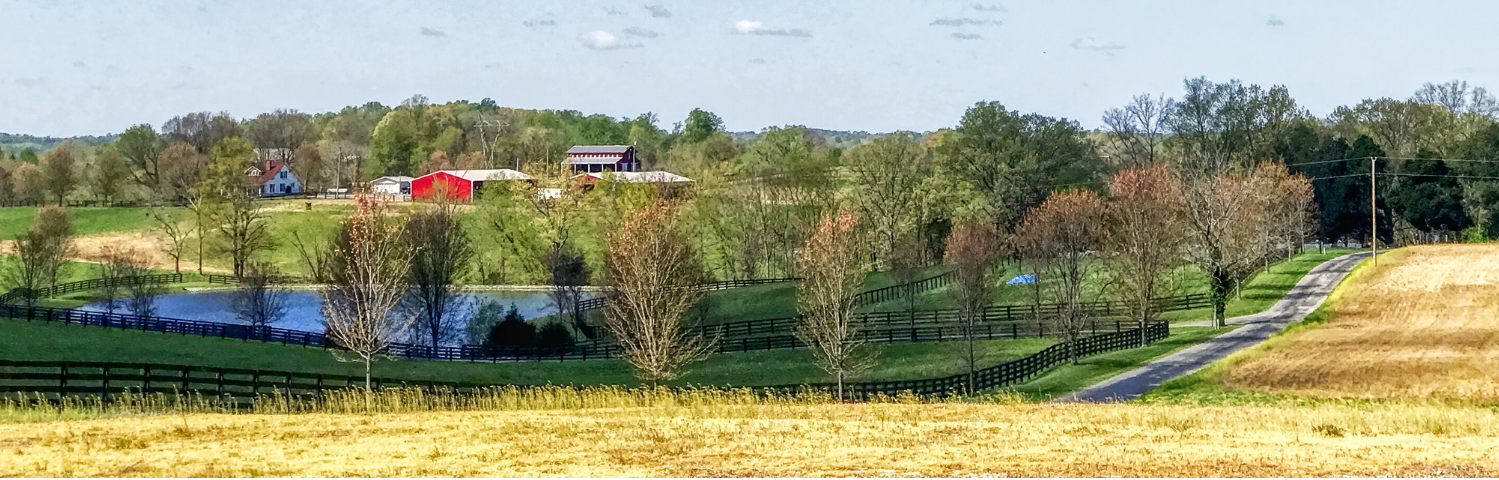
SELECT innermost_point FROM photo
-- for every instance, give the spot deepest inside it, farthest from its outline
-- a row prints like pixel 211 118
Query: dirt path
pixel 91 248
pixel 1305 297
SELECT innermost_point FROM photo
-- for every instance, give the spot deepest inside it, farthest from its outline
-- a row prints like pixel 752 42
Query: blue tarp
pixel 1022 279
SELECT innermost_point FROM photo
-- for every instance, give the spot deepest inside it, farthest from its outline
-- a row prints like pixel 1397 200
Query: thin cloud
pixel 30 82
pixel 967 36
pixel 1096 46
pixel 493 66
pixel 80 65
pixel 428 32
pixel 990 8
pixel 1274 21
pixel 758 61
pixel 962 22
pixel 612 12
pixel 750 27
pixel 640 32
pixel 602 40
pixel 658 11
pixel 539 23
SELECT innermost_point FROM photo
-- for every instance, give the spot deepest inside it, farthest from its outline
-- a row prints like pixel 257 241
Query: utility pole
pixel 1373 217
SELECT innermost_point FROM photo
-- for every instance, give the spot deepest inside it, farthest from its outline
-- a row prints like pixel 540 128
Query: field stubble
pixel 613 432
pixel 1424 324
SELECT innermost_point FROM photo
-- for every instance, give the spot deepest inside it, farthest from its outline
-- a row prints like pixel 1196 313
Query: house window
pixel 283 174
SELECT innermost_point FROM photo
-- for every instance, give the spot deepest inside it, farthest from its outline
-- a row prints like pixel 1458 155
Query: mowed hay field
pixel 1424 324
pixel 883 439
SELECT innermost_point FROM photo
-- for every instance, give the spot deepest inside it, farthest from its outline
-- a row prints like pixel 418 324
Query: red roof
pixel 268 171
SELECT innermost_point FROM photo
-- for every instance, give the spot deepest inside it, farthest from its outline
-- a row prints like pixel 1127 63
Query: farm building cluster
pixel 588 163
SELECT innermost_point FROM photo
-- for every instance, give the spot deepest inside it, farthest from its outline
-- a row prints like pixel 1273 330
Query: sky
pixel 95 67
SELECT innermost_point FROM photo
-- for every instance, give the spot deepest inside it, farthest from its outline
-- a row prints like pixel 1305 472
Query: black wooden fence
pixel 598 302
pixel 233 280
pixel 1007 373
pixel 59 379
pixel 83 203
pixel 997 316
pixel 772 334
pixel 22 293
pixel 894 292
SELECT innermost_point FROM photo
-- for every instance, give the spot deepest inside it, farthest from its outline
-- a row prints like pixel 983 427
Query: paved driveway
pixel 1300 301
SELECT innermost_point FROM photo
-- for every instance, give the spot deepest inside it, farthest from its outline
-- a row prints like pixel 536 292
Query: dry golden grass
pixel 91 248
pixel 1424 324
pixel 787 439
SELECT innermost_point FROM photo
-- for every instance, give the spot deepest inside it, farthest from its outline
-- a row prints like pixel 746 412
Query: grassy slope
pixel 1200 388
pixel 39 341
pixel 1263 289
pixel 86 221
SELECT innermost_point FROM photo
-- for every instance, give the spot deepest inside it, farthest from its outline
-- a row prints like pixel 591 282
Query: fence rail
pixel 1007 373
pixel 894 292
pixel 21 293
pixel 598 302
pixel 994 315
pixel 770 334
pixel 58 379
pixel 86 203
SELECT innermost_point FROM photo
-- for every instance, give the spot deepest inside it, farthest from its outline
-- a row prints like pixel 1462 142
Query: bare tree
pixel 568 274
pixel 906 263
pixel 142 293
pixel 371 264
pixel 1147 229
pixel 45 247
pixel 244 229
pixel 652 273
pixel 175 233
pixel 1456 97
pixel 1062 237
pixel 971 249
pixel 258 302
pixel 440 254
pixel 832 274
pixel 1224 217
pixel 113 267
pixel 1137 130
pixel 314 254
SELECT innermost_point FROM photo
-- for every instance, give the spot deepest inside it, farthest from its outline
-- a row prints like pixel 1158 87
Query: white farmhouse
pixel 273 179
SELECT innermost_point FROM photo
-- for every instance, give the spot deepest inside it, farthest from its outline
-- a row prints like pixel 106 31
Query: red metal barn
pixel 460 184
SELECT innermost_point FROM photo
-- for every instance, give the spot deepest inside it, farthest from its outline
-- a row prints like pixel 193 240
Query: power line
pixel 1319 162
pixel 1469 177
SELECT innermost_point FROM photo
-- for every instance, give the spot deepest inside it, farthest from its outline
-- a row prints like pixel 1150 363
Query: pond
pixel 304 307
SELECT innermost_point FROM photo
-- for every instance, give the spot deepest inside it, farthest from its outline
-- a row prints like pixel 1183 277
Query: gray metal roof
pixel 598 149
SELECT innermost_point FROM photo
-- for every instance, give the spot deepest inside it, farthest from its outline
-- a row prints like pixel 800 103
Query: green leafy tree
pixel 110 172
pixel 887 176
pixel 699 125
pixel 1014 160
pixel 141 148
pixel 59 174
pixel 231 158
pixel 27 155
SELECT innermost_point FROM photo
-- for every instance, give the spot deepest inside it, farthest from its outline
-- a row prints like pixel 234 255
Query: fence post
pixel 104 389
pixel 186 371
pixel 221 391
pixel 62 381
pixel 145 380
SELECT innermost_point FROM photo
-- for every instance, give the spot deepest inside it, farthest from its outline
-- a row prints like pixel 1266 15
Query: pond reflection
pixel 304 307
